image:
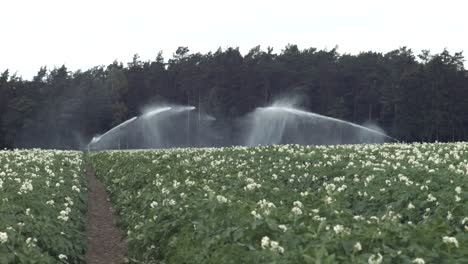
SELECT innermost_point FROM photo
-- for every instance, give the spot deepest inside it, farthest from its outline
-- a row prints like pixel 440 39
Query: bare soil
pixel 105 243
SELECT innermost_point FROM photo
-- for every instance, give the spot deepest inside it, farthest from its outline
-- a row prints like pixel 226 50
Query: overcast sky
pixel 86 33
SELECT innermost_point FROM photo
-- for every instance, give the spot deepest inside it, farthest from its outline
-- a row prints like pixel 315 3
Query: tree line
pixel 412 97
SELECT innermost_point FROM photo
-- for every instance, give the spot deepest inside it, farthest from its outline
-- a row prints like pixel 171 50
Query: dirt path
pixel 105 245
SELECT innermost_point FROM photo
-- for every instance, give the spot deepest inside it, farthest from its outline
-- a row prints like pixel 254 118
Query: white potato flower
pixel 418 261
pixel 221 199
pixel 450 240
pixel 297 204
pixel 275 247
pixel 265 242
pixel 464 220
pixel 375 259
pixel 449 215
pixel 283 227
pixel 338 229
pixel 431 198
pixel 357 246
pixel 3 237
pixel 296 210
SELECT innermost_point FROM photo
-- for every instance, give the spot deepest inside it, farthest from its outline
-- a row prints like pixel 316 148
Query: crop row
pixel 391 203
pixel 42 207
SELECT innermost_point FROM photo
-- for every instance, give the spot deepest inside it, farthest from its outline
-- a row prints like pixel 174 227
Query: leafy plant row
pixel 42 207
pixel 392 203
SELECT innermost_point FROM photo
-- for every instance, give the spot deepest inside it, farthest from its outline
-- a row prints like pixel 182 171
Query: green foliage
pixel 291 204
pixel 42 207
